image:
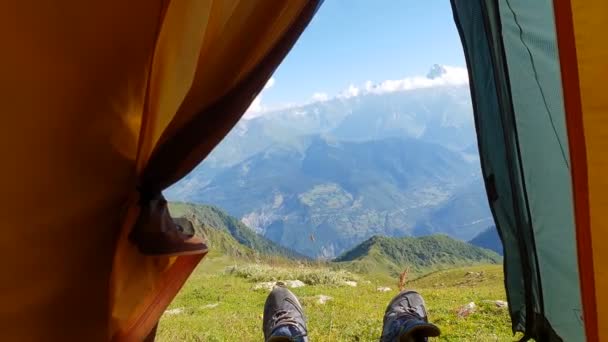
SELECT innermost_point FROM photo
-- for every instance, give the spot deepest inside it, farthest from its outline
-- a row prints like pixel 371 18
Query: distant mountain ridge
pixel 440 115
pixel 341 193
pixel 394 255
pixel 489 239
pixel 323 177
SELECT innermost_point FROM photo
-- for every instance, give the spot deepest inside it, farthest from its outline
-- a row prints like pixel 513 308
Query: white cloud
pixel 440 75
pixel 446 76
pixel 256 108
pixel 269 84
pixel 320 97
pixel 351 91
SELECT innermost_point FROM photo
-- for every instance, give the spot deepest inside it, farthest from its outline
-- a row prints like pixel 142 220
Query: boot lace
pixel 286 317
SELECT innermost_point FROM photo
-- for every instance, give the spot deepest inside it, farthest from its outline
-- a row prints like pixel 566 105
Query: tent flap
pixel 530 45
pixel 511 53
pixel 225 79
pixel 97 97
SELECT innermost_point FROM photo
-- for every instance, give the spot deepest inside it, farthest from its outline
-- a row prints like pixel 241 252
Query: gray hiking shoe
pixel 405 320
pixel 283 317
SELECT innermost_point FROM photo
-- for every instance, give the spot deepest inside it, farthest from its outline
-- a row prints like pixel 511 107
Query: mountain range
pixel 226 236
pixel 323 177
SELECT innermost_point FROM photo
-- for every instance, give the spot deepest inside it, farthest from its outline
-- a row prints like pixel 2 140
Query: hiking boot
pixel 283 317
pixel 405 320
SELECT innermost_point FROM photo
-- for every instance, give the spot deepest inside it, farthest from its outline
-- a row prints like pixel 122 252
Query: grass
pixel 308 275
pixel 220 305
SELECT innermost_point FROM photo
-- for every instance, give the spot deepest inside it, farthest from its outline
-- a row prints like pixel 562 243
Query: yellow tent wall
pixel 91 92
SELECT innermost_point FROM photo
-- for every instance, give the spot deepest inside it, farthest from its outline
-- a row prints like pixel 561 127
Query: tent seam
pixel 507 108
pixel 546 330
pixel 537 80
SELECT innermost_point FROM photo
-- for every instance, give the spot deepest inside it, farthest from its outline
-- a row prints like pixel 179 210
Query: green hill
pixel 393 255
pixel 227 233
pixel 489 239
pixel 222 243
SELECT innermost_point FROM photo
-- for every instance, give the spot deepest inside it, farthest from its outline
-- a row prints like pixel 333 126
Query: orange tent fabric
pixel 92 91
pixel 583 57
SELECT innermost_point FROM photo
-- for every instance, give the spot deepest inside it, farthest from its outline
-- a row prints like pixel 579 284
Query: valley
pixel 323 177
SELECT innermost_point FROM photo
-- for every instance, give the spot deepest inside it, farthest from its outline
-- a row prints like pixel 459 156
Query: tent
pixel 107 103
pixel 535 69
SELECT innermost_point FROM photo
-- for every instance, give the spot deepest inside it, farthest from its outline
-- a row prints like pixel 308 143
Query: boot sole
pixel 420 331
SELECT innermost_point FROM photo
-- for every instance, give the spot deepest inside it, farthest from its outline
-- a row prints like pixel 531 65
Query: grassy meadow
pixel 219 302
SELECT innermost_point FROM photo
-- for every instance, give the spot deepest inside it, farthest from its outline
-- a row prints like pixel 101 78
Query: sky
pixel 351 42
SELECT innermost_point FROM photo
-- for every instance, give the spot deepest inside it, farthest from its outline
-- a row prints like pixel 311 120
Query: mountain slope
pixel 489 239
pixel 221 243
pixel 322 177
pixel 379 254
pixel 440 115
pixel 462 216
pixel 336 194
pixel 209 219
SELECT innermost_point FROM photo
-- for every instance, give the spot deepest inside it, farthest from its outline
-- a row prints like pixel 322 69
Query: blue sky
pixel 353 41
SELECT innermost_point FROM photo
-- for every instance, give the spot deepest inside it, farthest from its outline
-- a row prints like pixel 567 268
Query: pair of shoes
pixel 405 319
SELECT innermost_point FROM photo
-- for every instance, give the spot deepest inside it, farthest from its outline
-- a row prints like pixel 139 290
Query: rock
pixel 294 283
pixel 351 283
pixel 265 285
pixel 467 310
pixel 324 299
pixel 501 304
pixel 383 289
pixel 175 311
pixel 498 303
pixel 210 306
pixel 269 285
pixel 473 274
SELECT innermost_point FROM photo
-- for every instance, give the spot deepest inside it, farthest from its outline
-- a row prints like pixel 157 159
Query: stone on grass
pixel 350 283
pixel 269 285
pixel 294 283
pixel 324 299
pixel 210 306
pixel 466 310
pixel 265 285
pixel 383 289
pixel 501 304
pixel 498 303
pixel 175 311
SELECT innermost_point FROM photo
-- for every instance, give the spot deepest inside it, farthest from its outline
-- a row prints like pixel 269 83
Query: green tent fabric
pixel 528 33
pixel 511 111
pixel 476 41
